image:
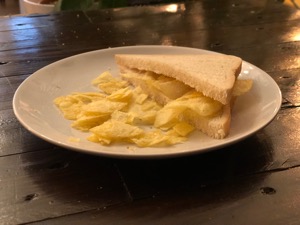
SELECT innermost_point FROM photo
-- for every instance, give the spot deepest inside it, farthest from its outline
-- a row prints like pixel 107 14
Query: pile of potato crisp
pixel 119 113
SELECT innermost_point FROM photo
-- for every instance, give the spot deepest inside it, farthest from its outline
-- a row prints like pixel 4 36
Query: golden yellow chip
pixel 69 106
pixel 123 94
pixel 122 117
pixel 109 84
pixel 102 107
pixel 141 98
pixel 116 130
pixel 156 138
pixel 85 123
pixel 241 87
pixel 87 97
pixel 171 87
pixel 196 102
pixel 167 118
pixel 142 116
pixel 98 139
pixel 183 129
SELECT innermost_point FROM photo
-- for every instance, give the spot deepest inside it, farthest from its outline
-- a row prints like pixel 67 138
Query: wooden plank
pixel 9 7
pixel 11 130
pixel 50 185
pixel 55 182
pixel 219 36
pixel 8 85
pixel 228 7
pixel 229 13
pixel 231 202
pixel 273 58
pixel 289 83
pixel 282 56
pixel 91 27
pixel 23 22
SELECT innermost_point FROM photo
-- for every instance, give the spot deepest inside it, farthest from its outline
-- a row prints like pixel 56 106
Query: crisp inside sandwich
pixel 198 89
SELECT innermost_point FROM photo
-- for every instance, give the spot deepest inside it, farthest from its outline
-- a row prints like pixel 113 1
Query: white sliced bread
pixel 213 75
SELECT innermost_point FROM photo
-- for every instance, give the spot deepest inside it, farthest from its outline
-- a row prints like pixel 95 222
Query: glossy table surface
pixel 255 181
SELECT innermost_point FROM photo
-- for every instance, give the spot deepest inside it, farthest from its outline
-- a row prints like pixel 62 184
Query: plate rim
pixel 136 154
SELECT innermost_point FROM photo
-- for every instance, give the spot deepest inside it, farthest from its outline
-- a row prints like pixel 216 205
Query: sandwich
pixel 198 89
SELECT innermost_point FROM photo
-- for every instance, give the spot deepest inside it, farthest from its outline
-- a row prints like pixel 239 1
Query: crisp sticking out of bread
pixel 217 127
pixel 213 75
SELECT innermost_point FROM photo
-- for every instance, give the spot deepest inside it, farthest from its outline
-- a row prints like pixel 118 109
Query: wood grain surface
pixel 255 181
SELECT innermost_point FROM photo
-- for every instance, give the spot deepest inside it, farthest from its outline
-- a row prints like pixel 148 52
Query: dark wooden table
pixel 256 181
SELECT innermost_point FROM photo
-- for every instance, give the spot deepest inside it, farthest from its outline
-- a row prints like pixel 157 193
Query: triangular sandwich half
pixel 170 79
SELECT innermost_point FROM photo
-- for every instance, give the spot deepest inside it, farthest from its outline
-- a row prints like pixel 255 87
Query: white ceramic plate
pixel 34 108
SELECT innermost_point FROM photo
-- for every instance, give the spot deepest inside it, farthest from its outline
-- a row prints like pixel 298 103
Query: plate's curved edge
pixel 275 85
pixel 130 155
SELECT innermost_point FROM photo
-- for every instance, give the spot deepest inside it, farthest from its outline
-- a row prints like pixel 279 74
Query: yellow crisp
pixel 73 139
pixel 171 87
pixel 85 123
pixel 157 138
pixel 69 106
pixel 114 130
pixel 101 107
pixel 241 87
pixel 196 102
pixel 122 117
pixel 98 139
pixel 167 118
pixel 183 129
pixel 109 84
pixel 123 94
pixel 144 113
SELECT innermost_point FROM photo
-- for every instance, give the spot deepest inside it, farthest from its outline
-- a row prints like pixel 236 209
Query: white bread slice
pixel 213 75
